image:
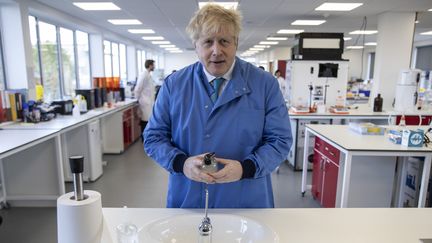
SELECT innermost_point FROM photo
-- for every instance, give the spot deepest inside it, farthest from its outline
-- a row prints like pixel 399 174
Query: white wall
pixel 355 65
pixel 176 61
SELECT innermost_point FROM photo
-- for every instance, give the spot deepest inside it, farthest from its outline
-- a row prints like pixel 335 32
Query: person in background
pixel 145 94
pixel 261 67
pixel 224 105
pixel 281 81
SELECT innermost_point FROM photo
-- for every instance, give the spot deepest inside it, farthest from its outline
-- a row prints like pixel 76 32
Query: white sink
pixel 226 228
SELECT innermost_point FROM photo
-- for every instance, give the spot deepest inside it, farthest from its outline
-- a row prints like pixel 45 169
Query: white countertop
pixel 12 139
pixel 335 225
pixel 347 139
pixel 62 122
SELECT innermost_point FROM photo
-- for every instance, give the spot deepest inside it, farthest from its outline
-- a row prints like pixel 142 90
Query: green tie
pixel 216 83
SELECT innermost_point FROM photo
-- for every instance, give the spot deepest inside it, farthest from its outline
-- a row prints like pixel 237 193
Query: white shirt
pixel 227 76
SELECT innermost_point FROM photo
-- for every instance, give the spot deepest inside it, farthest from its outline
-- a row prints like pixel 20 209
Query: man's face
pixel 151 67
pixel 217 51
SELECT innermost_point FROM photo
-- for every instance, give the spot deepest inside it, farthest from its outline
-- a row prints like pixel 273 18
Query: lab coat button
pixel 206 106
pixel 244 89
pixel 207 135
pixel 236 92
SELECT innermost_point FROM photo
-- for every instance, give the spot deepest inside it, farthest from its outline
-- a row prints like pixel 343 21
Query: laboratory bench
pixel 362 113
pixel 34 157
pixel 334 225
pixel 354 170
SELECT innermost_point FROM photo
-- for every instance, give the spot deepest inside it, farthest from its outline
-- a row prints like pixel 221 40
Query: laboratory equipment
pixel 407 90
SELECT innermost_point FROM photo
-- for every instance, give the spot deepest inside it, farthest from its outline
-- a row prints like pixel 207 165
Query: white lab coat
pixel 145 94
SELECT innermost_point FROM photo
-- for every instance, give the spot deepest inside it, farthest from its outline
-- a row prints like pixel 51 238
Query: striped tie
pixel 216 83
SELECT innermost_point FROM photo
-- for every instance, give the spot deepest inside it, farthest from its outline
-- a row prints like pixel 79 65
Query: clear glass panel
pixel 139 68
pixel 35 51
pixel 83 56
pixel 49 56
pixel 123 64
pixel 107 59
pixel 68 61
pixel 115 59
pixel 2 74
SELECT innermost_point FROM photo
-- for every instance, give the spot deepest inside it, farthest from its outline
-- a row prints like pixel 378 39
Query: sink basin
pixel 226 228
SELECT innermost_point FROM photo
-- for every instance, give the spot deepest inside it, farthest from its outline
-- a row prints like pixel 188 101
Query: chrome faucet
pixel 205 228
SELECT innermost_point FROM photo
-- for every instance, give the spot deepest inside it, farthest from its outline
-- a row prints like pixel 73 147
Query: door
pixel 330 177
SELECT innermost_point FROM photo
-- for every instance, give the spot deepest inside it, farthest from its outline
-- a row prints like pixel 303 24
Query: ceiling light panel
pixel 227 5
pixel 172 48
pixel 426 33
pixel 152 38
pixel 347 38
pixel 124 21
pixel 370 44
pixel 165 46
pixel 363 32
pixel 289 31
pixel 354 47
pixel 338 6
pixel 277 38
pixel 161 42
pixel 141 31
pixel 308 22
pixel 96 6
pixel 269 43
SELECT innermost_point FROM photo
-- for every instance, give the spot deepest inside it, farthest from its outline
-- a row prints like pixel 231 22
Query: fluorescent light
pixel 124 21
pixel 284 31
pixel 177 51
pixel 363 32
pixel 347 38
pixel 354 47
pixel 263 62
pixel 370 44
pixel 260 46
pixel 430 9
pixel 172 48
pixel 141 31
pixel 256 49
pixel 96 6
pixel 426 33
pixel 227 5
pixel 308 22
pixel 269 43
pixel 338 6
pixel 160 42
pixel 277 38
pixel 165 46
pixel 152 38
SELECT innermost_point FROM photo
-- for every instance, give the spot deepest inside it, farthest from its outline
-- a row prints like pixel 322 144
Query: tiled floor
pixel 130 179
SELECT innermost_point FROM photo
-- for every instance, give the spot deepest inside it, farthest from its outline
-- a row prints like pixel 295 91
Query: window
pixel 139 63
pixel 2 72
pixel 123 64
pixel 83 57
pixel 107 58
pixel 68 61
pixel 115 60
pixel 61 59
pixel 424 58
pixel 49 61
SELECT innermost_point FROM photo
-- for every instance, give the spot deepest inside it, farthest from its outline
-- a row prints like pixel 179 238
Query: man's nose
pixel 216 49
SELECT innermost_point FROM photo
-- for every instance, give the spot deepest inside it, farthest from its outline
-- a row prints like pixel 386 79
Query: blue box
pixel 412 138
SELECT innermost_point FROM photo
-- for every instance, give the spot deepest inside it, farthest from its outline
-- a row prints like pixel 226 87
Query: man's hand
pixel 192 170
pixel 231 172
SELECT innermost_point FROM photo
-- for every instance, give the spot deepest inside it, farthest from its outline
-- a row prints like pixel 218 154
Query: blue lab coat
pixel 249 120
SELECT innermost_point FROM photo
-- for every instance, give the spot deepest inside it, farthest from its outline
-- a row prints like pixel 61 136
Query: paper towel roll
pixel 79 221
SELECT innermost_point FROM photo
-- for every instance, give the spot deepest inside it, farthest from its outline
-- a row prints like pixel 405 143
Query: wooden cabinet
pixel 325 173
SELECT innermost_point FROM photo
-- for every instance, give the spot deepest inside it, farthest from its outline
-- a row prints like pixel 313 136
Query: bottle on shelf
pixel 378 103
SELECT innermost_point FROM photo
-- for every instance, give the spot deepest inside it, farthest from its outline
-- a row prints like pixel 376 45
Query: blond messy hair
pixel 212 18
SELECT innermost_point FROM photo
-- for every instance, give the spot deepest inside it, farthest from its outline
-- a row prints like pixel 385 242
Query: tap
pixel 205 228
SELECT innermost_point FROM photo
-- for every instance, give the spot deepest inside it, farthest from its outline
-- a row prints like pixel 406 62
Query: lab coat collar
pixel 236 87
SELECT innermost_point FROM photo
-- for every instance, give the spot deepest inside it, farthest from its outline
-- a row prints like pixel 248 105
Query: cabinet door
pixel 317 175
pixel 330 177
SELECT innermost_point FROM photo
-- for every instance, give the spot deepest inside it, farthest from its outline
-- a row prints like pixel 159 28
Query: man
pixel 145 93
pixel 281 81
pixel 244 121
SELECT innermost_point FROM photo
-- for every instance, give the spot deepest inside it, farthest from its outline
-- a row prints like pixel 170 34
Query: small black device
pixel 88 95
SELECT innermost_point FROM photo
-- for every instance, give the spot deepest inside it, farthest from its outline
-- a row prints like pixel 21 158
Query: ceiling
pixel 261 18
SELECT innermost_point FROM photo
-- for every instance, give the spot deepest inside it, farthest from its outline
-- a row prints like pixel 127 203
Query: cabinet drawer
pixel 329 151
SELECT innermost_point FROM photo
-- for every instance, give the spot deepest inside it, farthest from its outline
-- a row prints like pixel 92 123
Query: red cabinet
pixel 325 173
pixel 415 120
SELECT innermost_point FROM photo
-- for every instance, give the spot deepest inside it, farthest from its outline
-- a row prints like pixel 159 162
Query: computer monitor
pixel 328 70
